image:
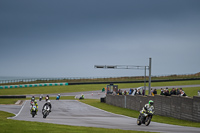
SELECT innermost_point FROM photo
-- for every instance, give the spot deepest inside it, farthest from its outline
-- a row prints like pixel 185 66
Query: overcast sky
pixel 66 38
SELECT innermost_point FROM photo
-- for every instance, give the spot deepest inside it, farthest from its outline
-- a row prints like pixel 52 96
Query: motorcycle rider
pixel 82 97
pixel 49 104
pixel 36 104
pixel 58 97
pixel 41 96
pixel 147 107
pixel 32 100
pixel 47 98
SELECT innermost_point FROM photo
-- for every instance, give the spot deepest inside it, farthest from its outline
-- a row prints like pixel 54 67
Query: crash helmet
pixel 35 101
pixel 33 98
pixel 150 102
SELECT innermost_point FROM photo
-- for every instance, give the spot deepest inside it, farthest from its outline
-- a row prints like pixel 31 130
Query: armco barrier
pixel 33 85
pixel 22 96
pixel 171 106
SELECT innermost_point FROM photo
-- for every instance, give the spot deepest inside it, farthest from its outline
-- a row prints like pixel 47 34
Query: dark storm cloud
pixel 42 31
pixel 33 14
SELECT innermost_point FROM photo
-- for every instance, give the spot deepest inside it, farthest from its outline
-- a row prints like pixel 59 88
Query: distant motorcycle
pixel 40 98
pixel 82 97
pixel 145 118
pixel 58 97
pixel 47 98
pixel 46 111
pixel 33 111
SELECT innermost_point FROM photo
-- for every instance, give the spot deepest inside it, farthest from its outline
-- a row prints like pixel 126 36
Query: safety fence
pixel 33 85
pixel 171 106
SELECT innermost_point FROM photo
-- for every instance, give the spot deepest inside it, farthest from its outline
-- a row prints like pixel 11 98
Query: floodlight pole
pixel 149 76
pixel 145 80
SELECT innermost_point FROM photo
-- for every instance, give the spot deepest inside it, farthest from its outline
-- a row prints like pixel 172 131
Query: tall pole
pixel 144 80
pixel 149 76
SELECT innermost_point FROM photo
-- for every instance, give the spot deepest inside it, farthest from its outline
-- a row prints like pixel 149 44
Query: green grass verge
pixel 79 88
pixel 135 114
pixel 10 126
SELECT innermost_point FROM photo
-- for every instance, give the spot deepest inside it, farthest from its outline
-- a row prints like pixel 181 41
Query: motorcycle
pixel 145 118
pixel 58 97
pixel 33 111
pixel 40 98
pixel 82 97
pixel 46 98
pixel 46 111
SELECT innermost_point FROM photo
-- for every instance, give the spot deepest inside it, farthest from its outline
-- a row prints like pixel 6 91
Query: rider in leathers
pixel 49 104
pixel 147 107
pixel 36 104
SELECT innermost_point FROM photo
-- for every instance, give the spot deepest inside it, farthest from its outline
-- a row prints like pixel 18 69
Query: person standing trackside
pixel 173 92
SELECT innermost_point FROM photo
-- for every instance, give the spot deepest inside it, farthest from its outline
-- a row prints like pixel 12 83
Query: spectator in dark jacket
pixel 165 92
pixel 173 91
pixel 161 93
pixel 154 91
pixel 177 91
pixel 138 92
pixel 182 93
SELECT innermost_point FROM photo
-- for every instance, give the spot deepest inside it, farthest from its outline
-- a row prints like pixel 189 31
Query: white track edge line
pixel 18 112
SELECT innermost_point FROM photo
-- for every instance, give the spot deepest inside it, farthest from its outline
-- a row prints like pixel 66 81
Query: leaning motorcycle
pixel 46 111
pixel 145 118
pixel 33 110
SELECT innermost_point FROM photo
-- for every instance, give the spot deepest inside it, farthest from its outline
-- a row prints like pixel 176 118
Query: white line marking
pixel 18 113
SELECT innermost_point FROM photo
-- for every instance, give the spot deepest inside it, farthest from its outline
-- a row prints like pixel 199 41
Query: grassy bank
pixel 79 88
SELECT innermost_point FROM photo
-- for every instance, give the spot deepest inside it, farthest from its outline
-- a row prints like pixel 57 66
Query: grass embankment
pixel 89 87
pixel 10 126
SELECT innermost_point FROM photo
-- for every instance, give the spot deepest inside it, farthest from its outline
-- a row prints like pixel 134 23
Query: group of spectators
pixel 173 92
pixel 165 92
pixel 130 92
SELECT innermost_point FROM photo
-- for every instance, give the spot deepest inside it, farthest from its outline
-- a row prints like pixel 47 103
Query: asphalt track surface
pixel 75 113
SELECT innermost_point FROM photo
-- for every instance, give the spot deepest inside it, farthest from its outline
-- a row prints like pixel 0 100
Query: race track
pixel 73 112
